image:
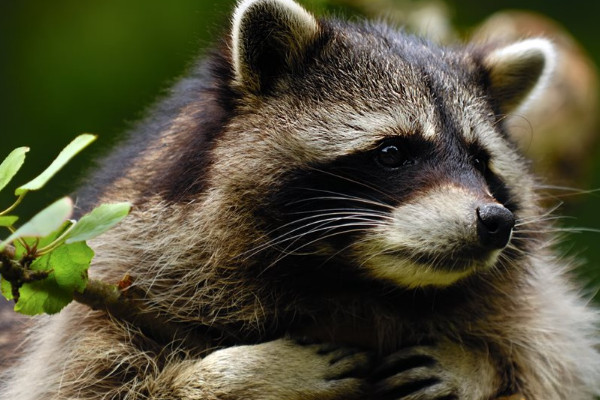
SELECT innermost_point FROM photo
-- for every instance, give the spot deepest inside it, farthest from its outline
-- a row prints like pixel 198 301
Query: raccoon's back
pixel 166 154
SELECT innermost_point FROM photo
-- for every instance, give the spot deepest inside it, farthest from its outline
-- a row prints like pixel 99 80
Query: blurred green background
pixel 71 66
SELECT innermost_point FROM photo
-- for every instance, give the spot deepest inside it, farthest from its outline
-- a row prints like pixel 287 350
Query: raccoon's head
pixel 361 145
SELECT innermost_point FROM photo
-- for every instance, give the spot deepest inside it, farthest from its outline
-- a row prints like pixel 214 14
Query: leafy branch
pixel 44 262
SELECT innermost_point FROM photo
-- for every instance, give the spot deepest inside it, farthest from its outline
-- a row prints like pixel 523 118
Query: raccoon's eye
pixel 480 164
pixel 480 161
pixel 393 156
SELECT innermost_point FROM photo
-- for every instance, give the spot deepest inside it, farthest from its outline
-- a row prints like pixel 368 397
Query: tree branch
pixel 121 301
pixel 128 305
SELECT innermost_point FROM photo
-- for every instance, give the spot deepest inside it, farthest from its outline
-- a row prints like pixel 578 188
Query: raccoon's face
pixel 379 150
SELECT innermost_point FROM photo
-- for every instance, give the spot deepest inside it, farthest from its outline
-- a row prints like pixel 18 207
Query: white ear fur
pixel 519 72
pixel 270 27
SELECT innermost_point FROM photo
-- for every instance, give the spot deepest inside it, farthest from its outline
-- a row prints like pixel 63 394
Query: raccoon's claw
pixel 345 362
pixel 412 374
pixel 344 372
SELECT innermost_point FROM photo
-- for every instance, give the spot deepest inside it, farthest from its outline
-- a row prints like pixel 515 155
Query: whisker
pixel 546 219
pixel 347 211
pixel 559 230
pixel 342 196
pixel 376 190
pixel 286 253
pixel 328 228
pixel 319 225
pixel 573 191
pixel 546 214
pixel 363 216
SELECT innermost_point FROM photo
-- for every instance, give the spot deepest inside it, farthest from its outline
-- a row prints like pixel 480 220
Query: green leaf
pixel 45 222
pixel 98 221
pixel 69 264
pixel 8 220
pixel 78 144
pixel 11 165
pixel 6 289
pixel 42 297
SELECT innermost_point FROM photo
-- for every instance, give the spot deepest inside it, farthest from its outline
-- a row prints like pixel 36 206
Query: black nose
pixel 494 225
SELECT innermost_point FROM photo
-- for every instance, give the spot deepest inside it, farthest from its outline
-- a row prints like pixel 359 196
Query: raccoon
pixel 328 210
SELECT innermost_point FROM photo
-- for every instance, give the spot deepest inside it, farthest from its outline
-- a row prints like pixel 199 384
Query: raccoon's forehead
pixel 366 85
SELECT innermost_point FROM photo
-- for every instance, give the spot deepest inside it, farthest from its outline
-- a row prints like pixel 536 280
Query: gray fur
pixel 261 211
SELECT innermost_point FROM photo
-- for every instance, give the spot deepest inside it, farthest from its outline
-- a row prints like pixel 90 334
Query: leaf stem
pixel 55 243
pixel 14 205
pixel 22 241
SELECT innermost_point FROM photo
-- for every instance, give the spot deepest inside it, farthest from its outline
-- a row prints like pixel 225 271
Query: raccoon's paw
pixel 413 373
pixel 285 369
pixel 445 371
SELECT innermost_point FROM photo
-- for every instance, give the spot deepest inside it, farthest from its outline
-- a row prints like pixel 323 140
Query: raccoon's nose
pixel 494 225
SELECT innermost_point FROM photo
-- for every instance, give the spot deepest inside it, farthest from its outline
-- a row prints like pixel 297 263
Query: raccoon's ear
pixel 269 38
pixel 517 71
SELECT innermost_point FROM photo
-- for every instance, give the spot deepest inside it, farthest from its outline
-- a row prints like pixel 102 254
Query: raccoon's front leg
pixel 445 371
pixel 278 370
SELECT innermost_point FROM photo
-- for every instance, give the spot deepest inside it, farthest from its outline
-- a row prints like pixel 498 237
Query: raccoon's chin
pixel 422 269
pixel 468 257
